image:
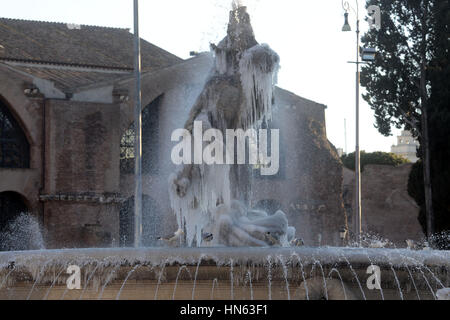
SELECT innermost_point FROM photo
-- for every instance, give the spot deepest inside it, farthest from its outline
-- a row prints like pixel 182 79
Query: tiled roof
pixel 70 79
pixel 60 43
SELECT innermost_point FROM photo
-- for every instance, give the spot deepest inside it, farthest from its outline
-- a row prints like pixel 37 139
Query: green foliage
pixel 410 31
pixel 382 158
pixel 392 81
pixel 441 204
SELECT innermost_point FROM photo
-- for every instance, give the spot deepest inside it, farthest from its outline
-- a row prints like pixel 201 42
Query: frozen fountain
pixel 227 273
pixel 226 249
pixel 213 198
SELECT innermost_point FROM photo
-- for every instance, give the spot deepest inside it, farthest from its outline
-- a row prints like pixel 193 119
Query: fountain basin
pixel 224 273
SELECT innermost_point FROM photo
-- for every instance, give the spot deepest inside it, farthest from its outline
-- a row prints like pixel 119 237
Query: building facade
pixel 406 146
pixel 67 133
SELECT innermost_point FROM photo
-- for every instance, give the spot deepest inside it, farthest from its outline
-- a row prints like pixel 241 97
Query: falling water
pixel 53 283
pixel 6 277
pixel 232 279
pixel 176 280
pixel 249 277
pixel 126 279
pixel 159 281
pixel 412 280
pixel 87 282
pixel 355 275
pixel 340 278
pixel 38 278
pixel 427 282
pixel 303 274
pixel 110 276
pixel 214 284
pixel 196 274
pixel 317 262
pixel 398 283
pixel 269 275
pixel 428 269
pixel 283 265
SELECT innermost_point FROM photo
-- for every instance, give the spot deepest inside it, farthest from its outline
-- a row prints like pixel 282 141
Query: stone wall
pixel 27 111
pixel 309 184
pixel 387 209
pixel 82 174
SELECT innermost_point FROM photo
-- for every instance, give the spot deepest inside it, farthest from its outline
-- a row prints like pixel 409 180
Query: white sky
pixel 306 34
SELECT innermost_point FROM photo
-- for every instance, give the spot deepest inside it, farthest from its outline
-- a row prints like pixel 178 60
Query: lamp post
pixel 367 54
pixel 138 132
pixel 358 212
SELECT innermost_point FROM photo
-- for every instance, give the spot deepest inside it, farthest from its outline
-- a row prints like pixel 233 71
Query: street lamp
pixel 367 55
pixel 347 28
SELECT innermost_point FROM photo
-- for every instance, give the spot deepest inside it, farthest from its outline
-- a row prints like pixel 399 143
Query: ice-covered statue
pixel 211 201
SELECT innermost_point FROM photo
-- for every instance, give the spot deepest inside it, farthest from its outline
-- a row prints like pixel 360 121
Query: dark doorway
pixel 11 207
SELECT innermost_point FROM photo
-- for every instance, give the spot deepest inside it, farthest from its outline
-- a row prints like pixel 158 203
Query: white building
pixel 406 146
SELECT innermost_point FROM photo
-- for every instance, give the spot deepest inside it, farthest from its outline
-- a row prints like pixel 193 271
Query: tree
pixel 399 83
pixel 439 120
pixel 441 238
pixel 382 158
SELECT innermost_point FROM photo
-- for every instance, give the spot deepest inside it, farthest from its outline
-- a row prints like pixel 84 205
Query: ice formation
pixel 237 95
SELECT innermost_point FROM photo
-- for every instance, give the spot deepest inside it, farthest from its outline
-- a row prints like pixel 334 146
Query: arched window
pixel 150 140
pixel 14 147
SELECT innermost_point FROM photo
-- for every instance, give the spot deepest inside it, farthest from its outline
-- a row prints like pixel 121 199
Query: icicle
pixel 259 68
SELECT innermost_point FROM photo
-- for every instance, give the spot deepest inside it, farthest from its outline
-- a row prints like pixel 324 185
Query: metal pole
pixel 138 132
pixel 357 148
pixel 345 136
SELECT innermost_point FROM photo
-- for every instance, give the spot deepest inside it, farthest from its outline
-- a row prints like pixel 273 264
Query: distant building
pixel 406 146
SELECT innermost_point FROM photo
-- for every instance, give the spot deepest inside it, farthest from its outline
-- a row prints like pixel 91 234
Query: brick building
pixel 66 138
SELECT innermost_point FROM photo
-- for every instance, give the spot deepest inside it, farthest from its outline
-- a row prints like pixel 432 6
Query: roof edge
pixel 55 63
pixel 64 23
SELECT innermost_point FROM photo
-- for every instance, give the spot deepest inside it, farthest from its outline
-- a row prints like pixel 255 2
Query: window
pixel 150 139
pixel 14 147
pixel 127 151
